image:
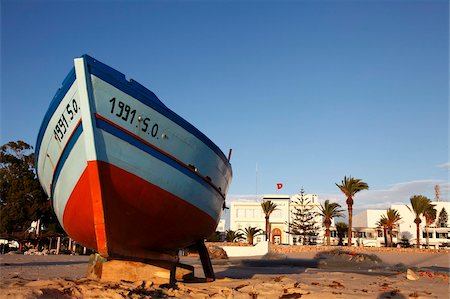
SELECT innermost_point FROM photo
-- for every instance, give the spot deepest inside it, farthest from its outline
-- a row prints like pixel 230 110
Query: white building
pixel 407 227
pixel 365 227
pixel 250 214
pixel 221 226
pixel 365 231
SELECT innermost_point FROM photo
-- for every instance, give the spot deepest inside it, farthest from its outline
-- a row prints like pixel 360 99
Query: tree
pixel 233 236
pixel 22 199
pixel 442 219
pixel 251 232
pixel 350 186
pixel 383 224
pixel 303 219
pixel 214 237
pixel 341 228
pixel 268 207
pixel 430 217
pixel 392 219
pixel 405 241
pixel 328 211
pixel 419 204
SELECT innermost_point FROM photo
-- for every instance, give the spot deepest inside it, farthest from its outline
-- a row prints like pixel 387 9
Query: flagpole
pixel 256 183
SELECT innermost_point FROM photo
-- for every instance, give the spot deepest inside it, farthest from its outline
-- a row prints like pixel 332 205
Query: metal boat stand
pixel 206 261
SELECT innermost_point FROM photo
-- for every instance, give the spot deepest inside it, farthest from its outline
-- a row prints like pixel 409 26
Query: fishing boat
pixel 126 175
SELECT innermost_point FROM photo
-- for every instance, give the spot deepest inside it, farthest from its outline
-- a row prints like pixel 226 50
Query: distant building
pixel 221 226
pixel 438 236
pixel 250 214
pixel 366 231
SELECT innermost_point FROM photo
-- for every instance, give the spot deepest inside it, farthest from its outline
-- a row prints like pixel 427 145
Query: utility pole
pixel 437 192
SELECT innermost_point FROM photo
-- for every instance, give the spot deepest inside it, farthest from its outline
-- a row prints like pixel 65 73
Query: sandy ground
pixel 297 275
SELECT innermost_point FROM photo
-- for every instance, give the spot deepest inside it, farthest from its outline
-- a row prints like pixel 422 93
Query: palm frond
pixel 233 236
pixel 330 210
pixel 350 186
pixel 430 213
pixel 251 231
pixel 393 217
pixel 268 207
pixel 382 222
pixel 419 204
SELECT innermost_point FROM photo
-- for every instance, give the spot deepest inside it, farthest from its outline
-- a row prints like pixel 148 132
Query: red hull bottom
pixel 123 215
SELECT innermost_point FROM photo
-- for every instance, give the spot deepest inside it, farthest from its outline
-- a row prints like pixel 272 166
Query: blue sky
pixel 309 91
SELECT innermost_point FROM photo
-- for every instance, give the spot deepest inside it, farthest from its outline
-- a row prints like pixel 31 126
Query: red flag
pixel 279 186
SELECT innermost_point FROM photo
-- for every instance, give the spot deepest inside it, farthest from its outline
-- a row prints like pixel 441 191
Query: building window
pixel 442 235
pixel 333 234
pixel 424 235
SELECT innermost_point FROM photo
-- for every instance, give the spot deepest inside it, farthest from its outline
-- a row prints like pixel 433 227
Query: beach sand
pixel 296 275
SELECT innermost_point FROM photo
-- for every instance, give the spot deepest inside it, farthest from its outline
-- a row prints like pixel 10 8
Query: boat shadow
pixel 248 268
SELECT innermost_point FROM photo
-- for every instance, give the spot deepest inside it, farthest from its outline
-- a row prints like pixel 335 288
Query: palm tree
pixel 350 186
pixel 214 237
pixel 419 204
pixel 392 219
pixel 341 228
pixel 328 211
pixel 233 236
pixel 430 215
pixel 383 223
pixel 251 232
pixel 268 207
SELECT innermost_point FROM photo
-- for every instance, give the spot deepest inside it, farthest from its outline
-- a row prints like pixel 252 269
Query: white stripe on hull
pixel 70 174
pixel 51 149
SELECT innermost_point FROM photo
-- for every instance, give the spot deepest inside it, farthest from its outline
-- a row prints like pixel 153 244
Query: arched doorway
pixel 276 236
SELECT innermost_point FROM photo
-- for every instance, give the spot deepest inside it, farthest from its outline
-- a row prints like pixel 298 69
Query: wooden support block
pixel 158 272
pixel 117 270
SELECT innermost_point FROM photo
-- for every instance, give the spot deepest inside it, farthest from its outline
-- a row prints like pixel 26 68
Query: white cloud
pixel 444 165
pixel 243 197
pixel 445 187
pixel 398 193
